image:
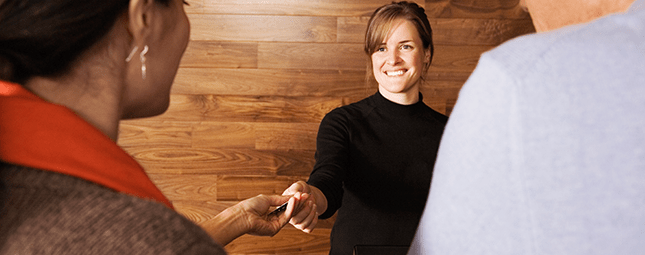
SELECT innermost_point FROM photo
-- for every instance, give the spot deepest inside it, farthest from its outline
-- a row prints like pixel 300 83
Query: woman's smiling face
pixel 398 63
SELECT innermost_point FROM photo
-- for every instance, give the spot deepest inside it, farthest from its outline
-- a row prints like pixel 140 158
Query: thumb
pixel 298 186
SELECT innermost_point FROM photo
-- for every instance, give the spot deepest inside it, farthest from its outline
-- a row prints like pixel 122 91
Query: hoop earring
pixel 142 58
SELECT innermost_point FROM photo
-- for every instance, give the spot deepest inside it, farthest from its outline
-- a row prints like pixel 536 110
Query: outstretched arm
pixel 251 216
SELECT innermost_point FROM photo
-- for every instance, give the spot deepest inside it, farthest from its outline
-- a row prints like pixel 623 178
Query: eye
pixel 380 49
pixel 406 47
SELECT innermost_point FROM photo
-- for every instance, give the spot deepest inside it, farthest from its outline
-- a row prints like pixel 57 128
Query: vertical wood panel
pixel 257 78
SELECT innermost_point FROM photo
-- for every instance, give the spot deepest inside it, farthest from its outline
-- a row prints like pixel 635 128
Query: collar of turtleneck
pixel 390 107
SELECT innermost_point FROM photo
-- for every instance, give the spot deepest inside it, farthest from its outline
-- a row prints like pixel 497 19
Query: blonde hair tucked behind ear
pixel 380 24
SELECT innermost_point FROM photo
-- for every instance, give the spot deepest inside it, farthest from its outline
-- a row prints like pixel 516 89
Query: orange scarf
pixel 38 134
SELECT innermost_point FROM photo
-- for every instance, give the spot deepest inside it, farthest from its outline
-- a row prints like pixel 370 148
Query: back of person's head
pixel 384 17
pixel 44 38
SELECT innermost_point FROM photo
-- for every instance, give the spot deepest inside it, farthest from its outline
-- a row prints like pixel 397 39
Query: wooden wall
pixel 257 78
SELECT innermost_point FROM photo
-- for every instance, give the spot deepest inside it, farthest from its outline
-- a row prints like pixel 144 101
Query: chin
pixel 148 110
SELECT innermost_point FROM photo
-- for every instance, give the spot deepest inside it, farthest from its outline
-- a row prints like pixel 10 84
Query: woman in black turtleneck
pixel 374 158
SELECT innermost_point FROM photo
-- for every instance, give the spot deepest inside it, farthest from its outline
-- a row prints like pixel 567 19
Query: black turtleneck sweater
pixel 374 161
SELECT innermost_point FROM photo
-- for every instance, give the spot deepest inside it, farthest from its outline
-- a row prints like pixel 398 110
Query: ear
pixel 140 14
pixel 427 56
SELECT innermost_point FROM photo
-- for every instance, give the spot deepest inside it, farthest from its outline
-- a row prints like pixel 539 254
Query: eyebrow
pixel 404 41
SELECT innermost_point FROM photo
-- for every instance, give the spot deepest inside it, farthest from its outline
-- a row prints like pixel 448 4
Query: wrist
pixel 227 225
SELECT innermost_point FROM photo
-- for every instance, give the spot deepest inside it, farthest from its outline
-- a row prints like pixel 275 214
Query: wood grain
pixel 223 27
pixel 297 7
pixel 481 9
pixel 249 108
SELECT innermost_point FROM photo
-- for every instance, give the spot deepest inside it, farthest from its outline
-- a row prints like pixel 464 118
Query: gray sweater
pixel 42 212
pixel 544 152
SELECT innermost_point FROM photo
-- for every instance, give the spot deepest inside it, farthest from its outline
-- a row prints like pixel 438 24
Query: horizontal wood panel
pixel 288 241
pixel 456 58
pixel 279 82
pixel 286 136
pixel 312 56
pixel 292 7
pixel 225 135
pixel 218 54
pixel 224 27
pixel 481 9
pixel 248 109
pixel 172 160
pixel 202 187
pixel 448 31
pixel 155 134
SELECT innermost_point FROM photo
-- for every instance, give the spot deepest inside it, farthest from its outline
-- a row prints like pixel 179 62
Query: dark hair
pixel 44 38
pixel 380 24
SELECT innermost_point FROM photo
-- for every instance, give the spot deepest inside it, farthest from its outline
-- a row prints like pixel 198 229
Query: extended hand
pixel 306 218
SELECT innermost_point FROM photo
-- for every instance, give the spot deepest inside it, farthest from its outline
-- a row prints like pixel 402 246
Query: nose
pixel 393 57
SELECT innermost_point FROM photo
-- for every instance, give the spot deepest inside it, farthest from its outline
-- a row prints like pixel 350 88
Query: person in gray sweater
pixel 70 70
pixel 544 152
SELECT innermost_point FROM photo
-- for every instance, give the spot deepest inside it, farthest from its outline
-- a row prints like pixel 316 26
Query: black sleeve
pixel 332 156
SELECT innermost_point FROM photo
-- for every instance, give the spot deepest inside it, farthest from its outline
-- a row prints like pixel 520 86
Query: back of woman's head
pixel 382 19
pixel 45 37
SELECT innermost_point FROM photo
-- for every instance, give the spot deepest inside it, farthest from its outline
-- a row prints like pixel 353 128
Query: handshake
pixel 300 205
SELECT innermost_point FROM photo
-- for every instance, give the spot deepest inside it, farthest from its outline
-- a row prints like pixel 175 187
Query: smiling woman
pixel 374 158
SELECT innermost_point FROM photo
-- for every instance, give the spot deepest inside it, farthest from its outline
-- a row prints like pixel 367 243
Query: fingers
pixel 307 218
pixel 299 186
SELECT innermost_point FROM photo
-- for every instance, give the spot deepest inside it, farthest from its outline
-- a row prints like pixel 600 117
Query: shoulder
pixel 571 47
pixel 53 211
pixel 350 112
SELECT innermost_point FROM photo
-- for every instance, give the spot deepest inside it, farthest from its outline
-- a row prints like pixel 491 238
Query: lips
pixel 395 73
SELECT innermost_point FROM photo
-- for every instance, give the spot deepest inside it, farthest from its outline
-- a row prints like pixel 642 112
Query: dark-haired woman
pixel 374 158
pixel 70 70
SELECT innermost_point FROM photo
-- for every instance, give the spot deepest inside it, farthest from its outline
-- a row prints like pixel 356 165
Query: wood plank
pixel 286 136
pixel 154 134
pixel 312 56
pixel 297 7
pixel 478 9
pixel 214 54
pixel 277 82
pixel 248 109
pixel 452 31
pixel 201 187
pixel 224 135
pixel 221 27
pixel 288 241
pixel 450 58
pixel 490 32
pixel 171 160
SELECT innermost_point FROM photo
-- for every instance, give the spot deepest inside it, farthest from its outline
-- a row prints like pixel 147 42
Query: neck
pixel 91 98
pixel 553 14
pixel 403 98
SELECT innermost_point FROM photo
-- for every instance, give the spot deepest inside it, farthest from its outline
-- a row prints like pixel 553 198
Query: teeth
pixel 397 73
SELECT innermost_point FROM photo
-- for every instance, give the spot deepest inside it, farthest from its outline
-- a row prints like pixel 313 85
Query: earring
pixel 142 58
